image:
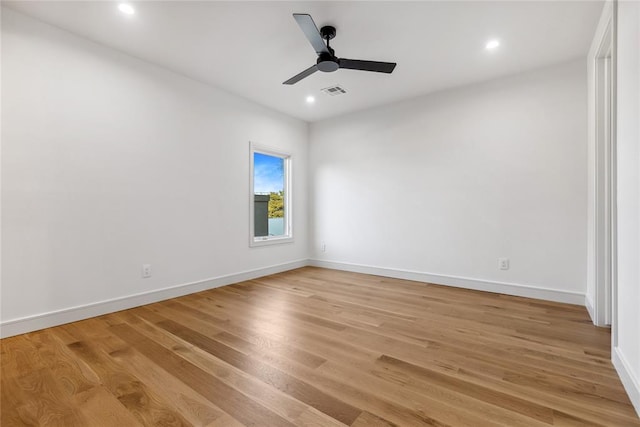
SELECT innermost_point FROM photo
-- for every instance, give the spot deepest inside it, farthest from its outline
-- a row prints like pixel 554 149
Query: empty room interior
pixel 320 214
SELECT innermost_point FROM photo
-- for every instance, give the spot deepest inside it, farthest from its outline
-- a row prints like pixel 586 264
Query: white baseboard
pixel 590 309
pixel 72 314
pixel 459 282
pixel 631 384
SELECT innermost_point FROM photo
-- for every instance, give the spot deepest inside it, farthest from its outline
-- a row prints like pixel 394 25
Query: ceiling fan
pixel 327 60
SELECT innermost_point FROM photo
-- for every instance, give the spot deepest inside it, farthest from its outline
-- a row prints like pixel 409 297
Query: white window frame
pixel 287 237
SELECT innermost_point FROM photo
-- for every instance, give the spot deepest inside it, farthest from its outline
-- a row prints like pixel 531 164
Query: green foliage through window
pixel 276 204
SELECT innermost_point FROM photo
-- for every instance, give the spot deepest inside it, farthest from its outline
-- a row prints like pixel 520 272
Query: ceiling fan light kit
pixel 327 60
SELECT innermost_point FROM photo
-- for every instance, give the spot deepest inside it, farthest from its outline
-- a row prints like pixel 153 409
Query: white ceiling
pixel 250 48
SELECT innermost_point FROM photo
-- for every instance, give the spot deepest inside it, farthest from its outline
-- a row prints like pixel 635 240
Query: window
pixel 270 197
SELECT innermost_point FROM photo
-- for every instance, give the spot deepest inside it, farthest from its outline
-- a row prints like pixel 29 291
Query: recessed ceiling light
pixel 492 44
pixel 126 8
pixel 311 99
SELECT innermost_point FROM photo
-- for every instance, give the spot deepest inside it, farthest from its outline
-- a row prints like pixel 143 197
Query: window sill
pixel 268 241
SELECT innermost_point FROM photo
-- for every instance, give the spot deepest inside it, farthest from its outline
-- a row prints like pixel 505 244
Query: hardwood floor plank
pixel 19 356
pixel 129 390
pixel 280 403
pixel 444 406
pixel 286 383
pixel 198 318
pixel 367 419
pixel 101 408
pixel 11 398
pixel 179 397
pixel 228 399
pixel 74 375
pixel 486 394
pixel 44 401
pixel 319 348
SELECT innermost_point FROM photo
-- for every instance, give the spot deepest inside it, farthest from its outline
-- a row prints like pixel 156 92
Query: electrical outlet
pixel 146 271
pixel 323 247
pixel 503 263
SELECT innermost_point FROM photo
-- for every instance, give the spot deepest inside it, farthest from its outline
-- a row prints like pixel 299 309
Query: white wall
pixel 441 186
pixel 109 162
pixel 626 355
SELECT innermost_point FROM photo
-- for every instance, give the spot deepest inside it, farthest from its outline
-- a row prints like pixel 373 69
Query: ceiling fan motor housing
pixel 327 62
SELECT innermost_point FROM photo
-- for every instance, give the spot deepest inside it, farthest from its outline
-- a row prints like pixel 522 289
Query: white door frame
pixel 601 263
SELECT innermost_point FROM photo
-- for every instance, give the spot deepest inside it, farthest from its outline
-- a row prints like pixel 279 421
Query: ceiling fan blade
pixel 310 30
pixel 378 67
pixel 306 73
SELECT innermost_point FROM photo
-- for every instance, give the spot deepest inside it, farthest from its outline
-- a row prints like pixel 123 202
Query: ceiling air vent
pixel 333 90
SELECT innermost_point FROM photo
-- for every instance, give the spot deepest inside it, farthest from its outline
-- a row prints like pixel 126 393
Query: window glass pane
pixel 268 193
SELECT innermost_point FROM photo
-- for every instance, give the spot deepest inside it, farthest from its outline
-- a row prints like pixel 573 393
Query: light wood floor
pixel 323 348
